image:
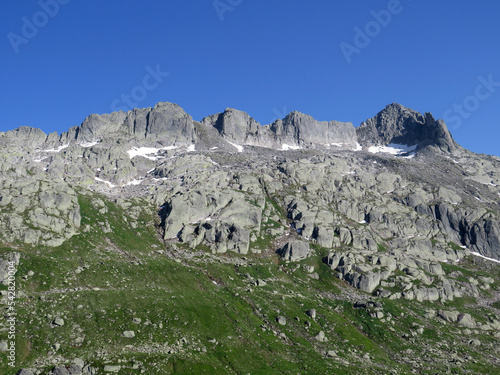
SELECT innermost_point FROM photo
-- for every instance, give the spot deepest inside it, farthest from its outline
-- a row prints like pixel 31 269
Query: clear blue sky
pixel 267 58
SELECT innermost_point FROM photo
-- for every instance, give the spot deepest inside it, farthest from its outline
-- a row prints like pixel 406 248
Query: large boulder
pixel 5 264
pixel 295 251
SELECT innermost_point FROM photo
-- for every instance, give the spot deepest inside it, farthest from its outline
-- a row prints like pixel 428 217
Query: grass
pixel 184 304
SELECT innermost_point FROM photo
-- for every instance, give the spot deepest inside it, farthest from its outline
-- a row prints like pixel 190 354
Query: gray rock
pixel 89 370
pixel 321 337
pixel 365 282
pixel 129 334
pixel 281 320
pixel 331 353
pixel 449 316
pixel 311 313
pixel 295 251
pixel 466 320
pixel 4 265
pixel 302 130
pixel 165 120
pixel 484 238
pixel 58 322
pixel 239 128
pixel 475 342
pixel 261 282
pixel 4 345
pixel 61 370
pixel 112 368
pixel 399 125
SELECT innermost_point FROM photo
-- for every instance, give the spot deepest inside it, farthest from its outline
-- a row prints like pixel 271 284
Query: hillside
pixel 147 242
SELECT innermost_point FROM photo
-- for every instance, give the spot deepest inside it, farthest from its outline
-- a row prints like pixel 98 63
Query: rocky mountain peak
pixel 303 130
pixel 234 125
pixel 166 122
pixel 396 124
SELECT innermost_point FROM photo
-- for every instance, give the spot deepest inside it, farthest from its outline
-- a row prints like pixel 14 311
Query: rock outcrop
pixel 396 124
pixel 166 123
pixel 296 130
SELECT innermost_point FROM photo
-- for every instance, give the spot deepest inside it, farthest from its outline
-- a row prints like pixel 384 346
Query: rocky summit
pixel 148 242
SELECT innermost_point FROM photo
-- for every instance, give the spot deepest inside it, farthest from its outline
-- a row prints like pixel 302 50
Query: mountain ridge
pixel 168 124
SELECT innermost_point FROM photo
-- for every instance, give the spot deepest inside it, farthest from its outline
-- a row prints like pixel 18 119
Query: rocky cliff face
pixel 396 124
pixel 266 222
pixel 296 130
pixel 166 123
pixel 120 148
pixel 302 130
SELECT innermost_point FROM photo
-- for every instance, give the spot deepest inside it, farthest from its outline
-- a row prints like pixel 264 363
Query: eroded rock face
pixel 239 128
pixel 302 130
pixel 165 122
pixel 399 125
pixel 39 212
pixel 221 220
pixel 484 237
pixel 295 130
pixel 214 195
pixel 295 251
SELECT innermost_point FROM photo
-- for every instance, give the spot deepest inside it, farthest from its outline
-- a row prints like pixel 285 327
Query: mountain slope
pixel 229 247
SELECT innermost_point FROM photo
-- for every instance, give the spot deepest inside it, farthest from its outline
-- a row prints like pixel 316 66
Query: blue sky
pixel 62 60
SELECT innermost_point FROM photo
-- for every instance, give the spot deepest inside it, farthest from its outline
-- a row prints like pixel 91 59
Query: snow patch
pixel 357 147
pixel 59 149
pixel 133 182
pixel 238 147
pixel 482 256
pixel 393 149
pixel 147 152
pixel 89 144
pixel 191 148
pixel 106 182
pixel 40 159
pixel 285 147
